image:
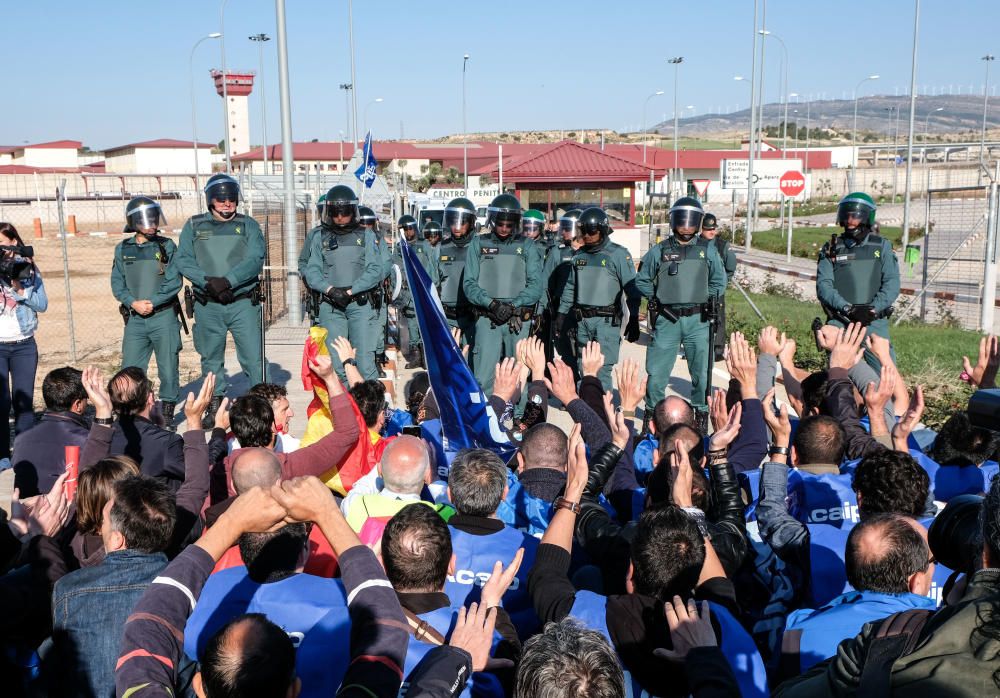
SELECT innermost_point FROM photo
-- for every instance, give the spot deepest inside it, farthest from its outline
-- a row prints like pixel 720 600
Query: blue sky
pixel 111 72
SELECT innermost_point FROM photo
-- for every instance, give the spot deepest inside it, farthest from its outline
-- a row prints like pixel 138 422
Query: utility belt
pixel 454 312
pixel 373 296
pixel 256 295
pixel 673 313
pixel 582 312
pixel 173 304
pixel 865 318
pixel 523 313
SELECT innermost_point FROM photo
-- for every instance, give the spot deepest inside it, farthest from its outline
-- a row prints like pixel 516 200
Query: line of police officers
pixel 496 288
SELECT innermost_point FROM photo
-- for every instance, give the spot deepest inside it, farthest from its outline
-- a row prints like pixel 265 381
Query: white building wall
pixel 172 160
pixel 239 124
pixel 122 162
pixel 48 157
pixel 6 158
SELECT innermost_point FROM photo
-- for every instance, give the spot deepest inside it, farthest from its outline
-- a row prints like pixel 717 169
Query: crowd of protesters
pixel 823 544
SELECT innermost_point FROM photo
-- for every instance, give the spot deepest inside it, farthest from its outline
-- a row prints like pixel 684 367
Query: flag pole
pixel 364 182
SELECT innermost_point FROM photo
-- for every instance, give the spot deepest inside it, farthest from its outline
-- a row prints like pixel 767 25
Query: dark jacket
pixel 840 405
pixel 159 453
pixel 89 607
pixel 39 453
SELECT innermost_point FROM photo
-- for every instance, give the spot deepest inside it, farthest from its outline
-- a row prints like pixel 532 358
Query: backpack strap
pixel 895 637
pixel 422 630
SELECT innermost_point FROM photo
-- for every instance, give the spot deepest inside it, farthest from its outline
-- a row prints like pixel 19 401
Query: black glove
pixel 865 314
pixel 632 329
pixel 216 285
pixel 500 312
pixel 227 297
pixel 339 297
pixel 557 325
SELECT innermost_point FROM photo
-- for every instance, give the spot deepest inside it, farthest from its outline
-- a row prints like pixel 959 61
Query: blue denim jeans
pixel 18 363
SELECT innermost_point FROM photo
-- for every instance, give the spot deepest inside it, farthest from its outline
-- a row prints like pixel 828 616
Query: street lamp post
pixel 676 62
pixel 854 134
pixel 374 101
pixel 988 58
pixel 805 165
pixel 354 80
pixel 194 115
pixel 341 151
pixel 784 86
pixel 927 121
pixel 260 39
pixel 644 105
pixel 348 87
pixel 225 81
pixel 465 130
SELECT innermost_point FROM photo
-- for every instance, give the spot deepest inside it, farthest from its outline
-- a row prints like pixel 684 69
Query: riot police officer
pixel 345 267
pixel 561 341
pixel 432 237
pixel 602 272
pixel 503 279
pixel 221 253
pixel 857 276
pixel 710 231
pixel 145 280
pixel 415 350
pixel 532 226
pixel 682 277
pixel 448 266
pixel 310 298
pixel 369 221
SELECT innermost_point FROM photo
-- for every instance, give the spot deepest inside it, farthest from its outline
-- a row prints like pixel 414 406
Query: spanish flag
pixel 358 461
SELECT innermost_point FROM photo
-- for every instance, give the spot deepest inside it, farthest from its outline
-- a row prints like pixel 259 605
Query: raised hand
pixel 506 379
pixel 591 359
pixel 984 374
pixel 194 407
pixel 562 383
pixel 631 384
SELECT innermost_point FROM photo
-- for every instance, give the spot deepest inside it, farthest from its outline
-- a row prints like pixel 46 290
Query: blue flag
pixel 366 172
pixel 467 421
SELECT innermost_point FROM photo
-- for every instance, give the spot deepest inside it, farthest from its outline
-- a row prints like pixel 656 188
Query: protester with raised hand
pixel 983 375
pixel 694 643
pixel 747 449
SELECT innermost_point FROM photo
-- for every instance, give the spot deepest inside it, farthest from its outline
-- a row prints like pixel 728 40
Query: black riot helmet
pixel 686 213
pixel 340 201
pixel 367 217
pixel 593 221
pixel 709 222
pixel 457 213
pixel 432 232
pixel 408 224
pixel 567 223
pixel 222 187
pixel 143 214
pixel 504 209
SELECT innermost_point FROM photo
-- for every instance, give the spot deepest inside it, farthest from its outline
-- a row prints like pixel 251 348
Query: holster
pixel 652 312
pixel 180 314
pixel 124 312
pixel 189 302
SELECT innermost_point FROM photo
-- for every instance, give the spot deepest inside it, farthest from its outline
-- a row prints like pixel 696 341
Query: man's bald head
pixel 249 654
pixel 670 411
pixel 255 467
pixel 884 551
pixel 404 465
pixel 689 438
pixel 545 446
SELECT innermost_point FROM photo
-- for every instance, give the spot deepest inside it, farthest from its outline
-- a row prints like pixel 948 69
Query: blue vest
pixel 443 619
pixel 827 571
pixel 952 480
pixel 475 557
pixel 823 629
pixel 522 511
pixel 644 457
pixel 734 641
pixel 822 499
pixel 312 610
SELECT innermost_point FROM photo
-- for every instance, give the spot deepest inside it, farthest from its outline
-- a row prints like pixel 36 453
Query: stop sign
pixel 792 183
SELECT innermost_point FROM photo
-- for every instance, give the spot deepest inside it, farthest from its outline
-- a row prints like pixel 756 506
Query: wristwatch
pixel 778 451
pixel 563 503
pixel 107 421
pixel 350 362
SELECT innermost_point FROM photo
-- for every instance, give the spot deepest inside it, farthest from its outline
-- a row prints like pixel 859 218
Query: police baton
pixel 712 308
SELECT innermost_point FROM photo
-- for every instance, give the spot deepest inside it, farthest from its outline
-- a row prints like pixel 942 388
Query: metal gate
pixel 959 242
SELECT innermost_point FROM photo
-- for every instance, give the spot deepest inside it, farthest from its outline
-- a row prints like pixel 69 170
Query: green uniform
pixel 148 272
pixel 728 258
pixel 311 307
pixel 593 294
pixel 447 270
pixel 405 300
pixel 233 249
pixel 505 270
pixel 558 268
pixel 699 275
pixel 865 272
pixel 347 259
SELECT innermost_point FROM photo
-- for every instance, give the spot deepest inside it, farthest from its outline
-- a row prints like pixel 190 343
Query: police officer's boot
pixel 701 420
pixel 208 421
pixel 167 410
pixel 416 359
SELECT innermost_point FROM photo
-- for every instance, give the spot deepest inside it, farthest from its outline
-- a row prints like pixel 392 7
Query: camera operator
pixel 23 298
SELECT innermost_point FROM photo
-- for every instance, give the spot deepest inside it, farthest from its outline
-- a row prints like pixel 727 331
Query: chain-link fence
pixel 955 286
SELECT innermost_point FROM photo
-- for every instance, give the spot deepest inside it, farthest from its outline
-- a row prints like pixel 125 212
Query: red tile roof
pixel 662 159
pixel 569 160
pixel 159 143
pixel 27 169
pixel 54 144
pixel 395 150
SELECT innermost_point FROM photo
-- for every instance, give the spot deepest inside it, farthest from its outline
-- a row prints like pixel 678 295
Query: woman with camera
pixel 23 298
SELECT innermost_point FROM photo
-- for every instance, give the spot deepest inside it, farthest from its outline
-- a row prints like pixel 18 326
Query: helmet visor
pixel 333 210
pixel 224 190
pixel 368 219
pixel 531 227
pixel 505 217
pixel 457 217
pixel 590 228
pixel 854 213
pixel 146 217
pixel 567 226
pixel 685 218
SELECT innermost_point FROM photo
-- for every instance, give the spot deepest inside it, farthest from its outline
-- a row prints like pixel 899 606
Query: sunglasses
pixel 226 198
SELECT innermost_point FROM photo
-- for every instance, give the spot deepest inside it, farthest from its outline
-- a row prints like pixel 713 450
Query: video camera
pixel 17 264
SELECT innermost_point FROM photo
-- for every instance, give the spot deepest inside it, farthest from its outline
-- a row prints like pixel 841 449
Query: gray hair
pixel 568 661
pixel 404 463
pixel 477 479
